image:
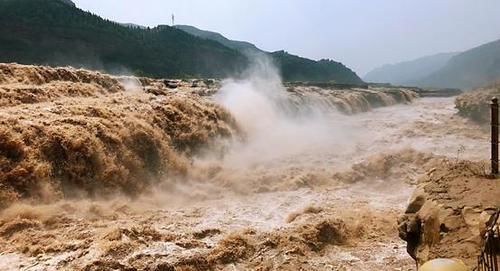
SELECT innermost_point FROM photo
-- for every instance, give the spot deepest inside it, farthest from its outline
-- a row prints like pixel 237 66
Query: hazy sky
pixel 362 34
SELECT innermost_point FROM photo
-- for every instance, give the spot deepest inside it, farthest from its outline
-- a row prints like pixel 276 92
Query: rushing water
pixel 124 174
pixel 359 170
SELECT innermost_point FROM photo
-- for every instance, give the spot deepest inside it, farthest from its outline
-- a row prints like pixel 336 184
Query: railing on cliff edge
pixel 490 251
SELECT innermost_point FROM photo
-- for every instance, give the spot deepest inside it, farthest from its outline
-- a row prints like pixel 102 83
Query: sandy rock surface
pixel 449 211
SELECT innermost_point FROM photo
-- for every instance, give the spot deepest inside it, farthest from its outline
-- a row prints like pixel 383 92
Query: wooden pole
pixel 494 136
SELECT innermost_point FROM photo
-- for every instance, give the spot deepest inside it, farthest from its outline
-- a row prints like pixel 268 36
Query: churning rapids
pixel 250 176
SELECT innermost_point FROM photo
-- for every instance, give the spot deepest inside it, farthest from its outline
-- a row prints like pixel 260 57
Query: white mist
pixel 262 107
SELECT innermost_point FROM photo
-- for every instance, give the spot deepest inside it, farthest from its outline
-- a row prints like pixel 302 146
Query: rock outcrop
pixel 475 104
pixel 449 211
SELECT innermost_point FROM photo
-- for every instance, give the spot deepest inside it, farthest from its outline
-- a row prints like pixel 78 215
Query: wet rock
pixel 171 84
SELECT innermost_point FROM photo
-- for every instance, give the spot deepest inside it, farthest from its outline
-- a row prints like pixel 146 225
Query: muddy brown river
pixel 309 194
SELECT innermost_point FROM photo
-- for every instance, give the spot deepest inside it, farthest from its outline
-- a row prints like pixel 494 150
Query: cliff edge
pixel 449 212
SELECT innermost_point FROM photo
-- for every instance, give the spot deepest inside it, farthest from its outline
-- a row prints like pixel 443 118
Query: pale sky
pixel 362 34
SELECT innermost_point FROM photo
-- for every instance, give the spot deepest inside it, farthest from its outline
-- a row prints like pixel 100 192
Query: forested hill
pixel 56 32
pixel 292 67
pixel 242 46
pixel 295 68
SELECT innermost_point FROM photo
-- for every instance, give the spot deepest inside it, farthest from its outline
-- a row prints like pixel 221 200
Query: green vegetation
pixel 241 46
pixel 292 68
pixel 56 33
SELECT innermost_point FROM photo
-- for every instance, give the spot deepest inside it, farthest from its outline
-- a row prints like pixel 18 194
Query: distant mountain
pixel 472 68
pixel 54 32
pixel 292 68
pixel 408 72
pixel 242 46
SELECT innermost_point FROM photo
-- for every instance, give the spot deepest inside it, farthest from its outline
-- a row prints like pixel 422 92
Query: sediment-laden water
pixel 102 173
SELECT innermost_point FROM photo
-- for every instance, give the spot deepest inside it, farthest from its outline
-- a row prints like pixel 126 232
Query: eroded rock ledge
pixel 475 104
pixel 449 211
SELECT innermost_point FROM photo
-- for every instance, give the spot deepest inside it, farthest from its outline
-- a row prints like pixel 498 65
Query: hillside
pixel 57 33
pixel 408 72
pixel 295 68
pixel 472 68
pixel 292 67
pixel 54 32
pixel 241 46
pixel 69 2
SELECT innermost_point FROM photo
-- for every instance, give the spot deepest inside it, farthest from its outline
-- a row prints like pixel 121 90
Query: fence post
pixel 494 136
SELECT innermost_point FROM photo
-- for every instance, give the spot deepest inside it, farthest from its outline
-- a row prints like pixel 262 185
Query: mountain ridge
pixel 292 67
pixel 465 70
pixel 407 72
pixel 56 33
pixel 51 32
pixel 472 68
pixel 69 2
pixel 243 46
